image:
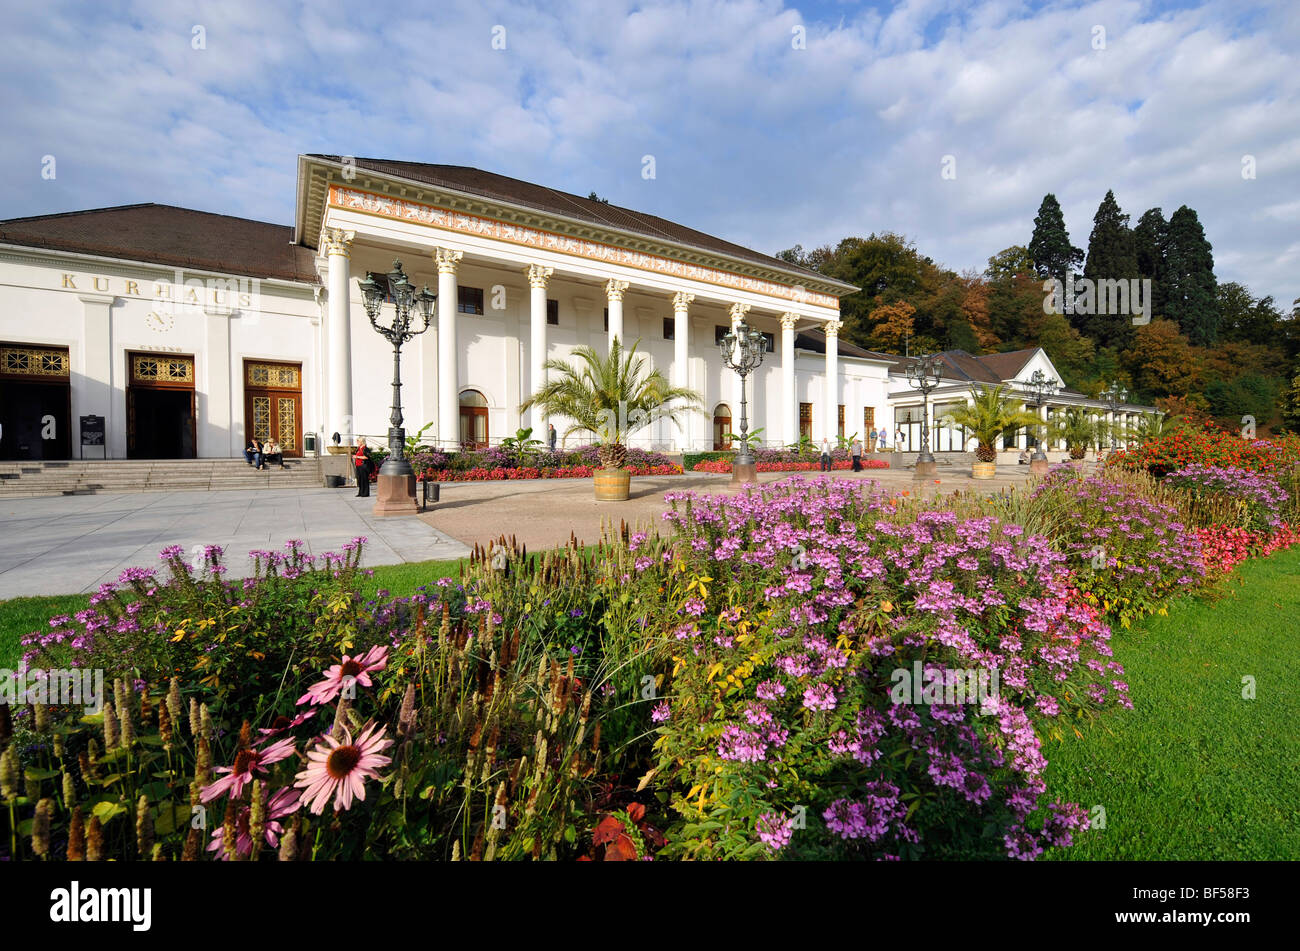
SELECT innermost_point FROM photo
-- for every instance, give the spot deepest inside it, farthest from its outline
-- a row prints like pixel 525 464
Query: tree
pixel 1150 240
pixel 610 396
pixel 891 325
pixel 1050 248
pixel 1015 297
pixel 594 197
pixel 1071 351
pixel 1077 429
pixel 1161 361
pixel 1111 257
pixel 992 411
pixel 1190 278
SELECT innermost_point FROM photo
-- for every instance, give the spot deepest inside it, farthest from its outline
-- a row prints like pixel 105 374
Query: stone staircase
pixel 89 477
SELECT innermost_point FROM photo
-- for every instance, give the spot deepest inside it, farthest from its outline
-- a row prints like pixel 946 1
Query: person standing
pixel 857 454
pixel 363 463
pixel 882 440
pixel 550 436
pixel 898 439
pixel 826 455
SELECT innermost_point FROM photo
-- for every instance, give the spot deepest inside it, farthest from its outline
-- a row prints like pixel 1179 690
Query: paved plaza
pixel 71 544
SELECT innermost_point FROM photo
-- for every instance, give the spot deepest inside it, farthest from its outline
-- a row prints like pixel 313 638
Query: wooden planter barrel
pixel 613 485
pixel 983 470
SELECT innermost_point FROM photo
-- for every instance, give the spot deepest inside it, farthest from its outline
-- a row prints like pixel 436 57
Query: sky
pixel 766 123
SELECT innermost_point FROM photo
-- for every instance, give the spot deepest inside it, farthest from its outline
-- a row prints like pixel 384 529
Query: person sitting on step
pixel 253 452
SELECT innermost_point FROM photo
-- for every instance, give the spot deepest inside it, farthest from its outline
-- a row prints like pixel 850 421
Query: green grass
pixel 20 616
pixel 1194 771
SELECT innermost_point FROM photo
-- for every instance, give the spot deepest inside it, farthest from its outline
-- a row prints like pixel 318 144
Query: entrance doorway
pixel 473 420
pixel 160 420
pixel 35 402
pixel 721 427
pixel 273 403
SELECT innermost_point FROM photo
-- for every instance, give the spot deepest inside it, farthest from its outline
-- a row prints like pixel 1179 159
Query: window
pixel 553 313
pixel 473 420
pixel 805 420
pixel 670 328
pixel 606 320
pixel 869 419
pixel 719 332
pixel 469 300
pixel 769 342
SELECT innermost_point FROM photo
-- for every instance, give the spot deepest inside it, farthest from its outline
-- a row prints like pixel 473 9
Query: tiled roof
pixel 515 191
pixel 176 237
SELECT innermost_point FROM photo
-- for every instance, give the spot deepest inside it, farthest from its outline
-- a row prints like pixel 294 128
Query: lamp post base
pixel 1039 467
pixel 926 470
pixel 743 473
pixel 395 495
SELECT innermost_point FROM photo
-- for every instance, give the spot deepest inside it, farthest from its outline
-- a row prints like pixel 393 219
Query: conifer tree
pixel 1192 287
pixel 1050 248
pixel 1150 238
pixel 1111 257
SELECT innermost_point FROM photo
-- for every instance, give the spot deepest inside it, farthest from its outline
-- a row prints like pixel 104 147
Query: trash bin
pixel 334 481
pixel 309 443
pixel 432 491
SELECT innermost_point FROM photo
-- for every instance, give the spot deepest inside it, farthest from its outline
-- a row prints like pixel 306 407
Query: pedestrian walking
pixel 826 455
pixel 363 463
pixel 857 455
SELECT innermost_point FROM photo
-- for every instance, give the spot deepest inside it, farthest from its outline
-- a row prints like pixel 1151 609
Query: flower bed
pixel 1210 447
pixel 527 472
pixel 721 466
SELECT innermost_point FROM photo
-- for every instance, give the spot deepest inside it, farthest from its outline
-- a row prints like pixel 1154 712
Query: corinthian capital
pixel 833 327
pixel 447 259
pixel 788 320
pixel 538 275
pixel 738 312
pixel 682 300
pixel 614 290
pixel 338 241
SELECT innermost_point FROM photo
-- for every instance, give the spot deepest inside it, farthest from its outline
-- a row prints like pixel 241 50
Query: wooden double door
pixel 273 403
pixel 160 406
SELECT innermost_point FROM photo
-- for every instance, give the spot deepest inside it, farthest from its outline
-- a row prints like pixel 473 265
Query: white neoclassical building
pixel 178 333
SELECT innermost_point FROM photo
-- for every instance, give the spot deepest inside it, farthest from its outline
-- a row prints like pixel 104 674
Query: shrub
pixel 1230 496
pixel 781 697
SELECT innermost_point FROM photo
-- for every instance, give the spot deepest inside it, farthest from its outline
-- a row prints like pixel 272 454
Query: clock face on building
pixel 159 322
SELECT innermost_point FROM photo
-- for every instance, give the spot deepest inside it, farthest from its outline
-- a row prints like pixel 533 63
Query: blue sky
pixel 753 139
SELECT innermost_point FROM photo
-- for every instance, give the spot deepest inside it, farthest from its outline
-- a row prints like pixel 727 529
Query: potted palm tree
pixel 992 411
pixel 1077 429
pixel 610 396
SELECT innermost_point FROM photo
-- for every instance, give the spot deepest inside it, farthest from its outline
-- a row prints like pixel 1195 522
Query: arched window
pixel 473 420
pixel 721 426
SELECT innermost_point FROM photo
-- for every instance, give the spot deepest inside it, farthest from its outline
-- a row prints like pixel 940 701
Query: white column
pixel 737 312
pixel 789 409
pixel 448 384
pixel 538 275
pixel 338 249
pixel 831 427
pixel 614 291
pixel 681 362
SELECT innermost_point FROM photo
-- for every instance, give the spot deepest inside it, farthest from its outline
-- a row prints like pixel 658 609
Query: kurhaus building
pixel 185 332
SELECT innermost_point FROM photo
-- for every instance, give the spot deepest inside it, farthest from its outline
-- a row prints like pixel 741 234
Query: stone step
pixel 24 479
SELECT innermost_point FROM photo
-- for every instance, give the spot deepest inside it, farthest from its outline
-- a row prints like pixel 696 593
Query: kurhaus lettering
pixel 185 293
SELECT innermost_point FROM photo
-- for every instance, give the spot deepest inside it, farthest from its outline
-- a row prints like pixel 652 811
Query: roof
pixel 496 187
pixel 165 234
pixel 962 367
pixel 814 341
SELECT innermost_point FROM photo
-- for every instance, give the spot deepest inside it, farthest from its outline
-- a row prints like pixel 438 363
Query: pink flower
pixel 351 670
pixel 341 769
pixel 247 762
pixel 281 804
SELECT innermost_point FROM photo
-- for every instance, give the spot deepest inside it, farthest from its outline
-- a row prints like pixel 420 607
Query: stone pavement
pixel 70 544
pixel 541 513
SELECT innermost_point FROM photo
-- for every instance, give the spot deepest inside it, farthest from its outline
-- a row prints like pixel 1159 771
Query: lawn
pixel 1194 771
pixel 21 616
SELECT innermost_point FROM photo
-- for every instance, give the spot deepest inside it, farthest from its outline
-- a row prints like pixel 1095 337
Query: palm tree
pixel 992 412
pixel 1077 429
pixel 610 396
pixel 1151 426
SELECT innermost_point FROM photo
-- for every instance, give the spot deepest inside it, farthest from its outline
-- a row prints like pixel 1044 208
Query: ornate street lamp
pixel 1041 386
pixel 1115 396
pixel 742 350
pixel 396 476
pixel 924 373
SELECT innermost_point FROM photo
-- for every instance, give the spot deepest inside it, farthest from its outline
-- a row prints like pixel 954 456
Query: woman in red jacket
pixel 363 463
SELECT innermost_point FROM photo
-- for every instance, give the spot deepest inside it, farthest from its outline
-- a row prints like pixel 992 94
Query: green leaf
pixel 107 810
